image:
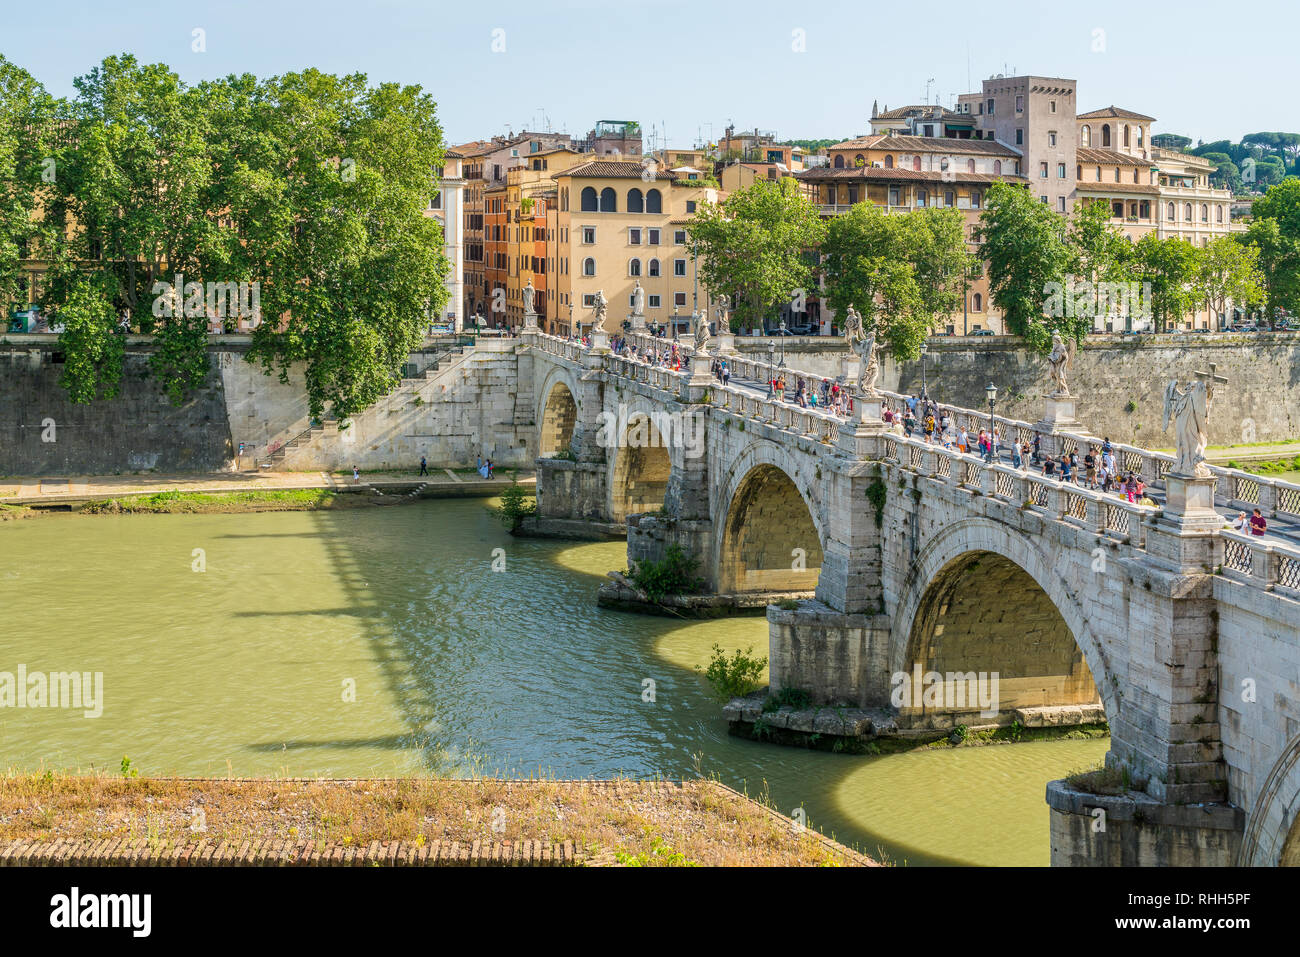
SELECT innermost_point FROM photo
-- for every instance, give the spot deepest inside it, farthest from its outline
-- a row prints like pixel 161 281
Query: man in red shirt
pixel 1258 524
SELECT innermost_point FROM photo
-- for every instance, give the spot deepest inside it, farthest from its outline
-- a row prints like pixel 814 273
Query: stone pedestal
pixel 530 321
pixel 1183 537
pixel 724 343
pixel 599 342
pixel 833 656
pixel 700 375
pixel 637 321
pixel 858 434
pixel 1060 414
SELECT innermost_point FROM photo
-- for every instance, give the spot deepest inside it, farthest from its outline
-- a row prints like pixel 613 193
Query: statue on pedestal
pixel 863 344
pixel 528 294
pixel 599 307
pixel 1190 410
pixel 638 300
pixel 1059 359
pixel 701 335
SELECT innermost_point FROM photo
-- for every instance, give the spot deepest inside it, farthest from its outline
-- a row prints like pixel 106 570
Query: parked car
pixel 982 332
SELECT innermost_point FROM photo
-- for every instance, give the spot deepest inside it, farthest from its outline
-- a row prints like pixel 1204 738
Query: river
pixel 397 641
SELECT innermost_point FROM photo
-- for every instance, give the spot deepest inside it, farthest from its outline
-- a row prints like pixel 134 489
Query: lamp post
pixel 771 377
pixel 674 322
pixel 924 348
pixel 991 391
pixel 782 365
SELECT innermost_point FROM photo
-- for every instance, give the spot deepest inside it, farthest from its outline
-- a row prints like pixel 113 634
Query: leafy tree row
pixel 1258 161
pixel 313 186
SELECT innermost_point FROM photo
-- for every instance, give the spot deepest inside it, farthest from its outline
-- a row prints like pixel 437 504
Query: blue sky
pixel 1205 70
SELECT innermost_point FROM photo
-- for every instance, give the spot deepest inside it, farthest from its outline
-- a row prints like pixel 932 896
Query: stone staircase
pixel 441 364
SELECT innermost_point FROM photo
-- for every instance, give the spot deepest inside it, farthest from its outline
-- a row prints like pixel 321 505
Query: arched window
pixel 1085 135
pixel 916 163
pixel 1105 135
pixel 997 167
pixel 1135 175
pixel 1078 171
pixel 654 201
pixel 970 166
pixel 1126 139
pixel 652 268
pixel 1139 134
pixel 1205 213
pixel 979 303
pixel 889 162
pixel 634 202
pixel 859 160
pixel 608 200
pixel 839 161
pixel 1218 214
pixel 589 267
pixel 1187 212
pixel 1171 213
pixel 589 200
pixel 634 267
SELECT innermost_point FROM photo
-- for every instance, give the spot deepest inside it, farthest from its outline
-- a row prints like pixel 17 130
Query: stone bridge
pixel 909 557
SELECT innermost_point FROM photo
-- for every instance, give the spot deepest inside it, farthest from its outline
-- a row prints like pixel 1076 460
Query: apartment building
pixel 485 167
pixel 901 173
pixel 447 206
pixel 530 194
pixel 923 120
pixel 612 226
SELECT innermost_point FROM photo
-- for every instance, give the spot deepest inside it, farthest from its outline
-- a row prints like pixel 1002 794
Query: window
pixel 1139 135
pixel 970 166
pixel 634 237
pixel 1020 103
pixel 1218 214
pixel 634 267
pixel 588 235
pixel 679 267
pixel 1117 174
pixel 1105 135
pixel 1126 138
pixel 690 205
pixel 653 238
pixel 1085 135
pixel 1060 204
pixel 589 299
pixel 634 202
pixel 652 268
pixel 989 109
pixel 1020 137
pixel 654 202
pixel 1205 213
pixel 975 200
pixel 1060 171
pixel 893 196
pixel 1144 209
pixel 1042 169
pixel 839 161
pixel 589 267
pixel 997 167
pixel 1043 200
pixel 589 200
pixel 916 164
pixel 1051 106
pixel 921 197
pixel 948 197
pixel 1187 212
pixel 608 200
pixel 679 237
pixel 679 299
pixel 1117 209
pixel 1078 172
pixel 653 301
pixel 1051 137
pixel 889 162
pixel 1169 213
pixel 979 303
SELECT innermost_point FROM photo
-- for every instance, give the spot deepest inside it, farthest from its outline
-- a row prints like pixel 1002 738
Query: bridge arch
pixel 978 572
pixel 642 467
pixel 768 534
pixel 1272 835
pixel 557 415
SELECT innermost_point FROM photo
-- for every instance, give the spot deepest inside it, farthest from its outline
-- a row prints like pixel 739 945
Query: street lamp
pixel 674 322
pixel 924 348
pixel 782 365
pixel 771 361
pixel 991 391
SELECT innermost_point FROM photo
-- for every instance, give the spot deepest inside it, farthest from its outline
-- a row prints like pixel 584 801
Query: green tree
pixel 1024 243
pixel 902 272
pixel 1279 265
pixel 752 248
pixel 1171 141
pixel 1168 270
pixel 26 140
pixel 1228 271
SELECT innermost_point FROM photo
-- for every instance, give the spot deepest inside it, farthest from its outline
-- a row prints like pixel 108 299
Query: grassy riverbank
pixel 634 823
pixel 169 503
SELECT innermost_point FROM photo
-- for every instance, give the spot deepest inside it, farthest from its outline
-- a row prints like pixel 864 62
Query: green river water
pixel 458 669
